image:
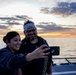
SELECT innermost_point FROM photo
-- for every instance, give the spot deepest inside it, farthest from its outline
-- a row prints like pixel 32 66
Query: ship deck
pixel 68 68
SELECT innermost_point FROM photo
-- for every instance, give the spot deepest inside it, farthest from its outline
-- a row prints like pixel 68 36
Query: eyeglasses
pixel 32 30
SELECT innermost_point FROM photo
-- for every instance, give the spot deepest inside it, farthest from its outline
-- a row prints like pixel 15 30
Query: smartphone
pixel 55 50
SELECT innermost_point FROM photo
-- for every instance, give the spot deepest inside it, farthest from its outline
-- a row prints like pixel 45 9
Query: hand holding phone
pixel 54 50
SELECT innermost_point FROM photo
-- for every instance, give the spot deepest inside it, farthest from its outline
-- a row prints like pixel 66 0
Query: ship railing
pixel 67 59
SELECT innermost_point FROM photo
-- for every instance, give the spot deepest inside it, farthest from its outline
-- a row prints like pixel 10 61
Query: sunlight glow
pixel 19 8
pixel 15 27
pixel 66 26
pixel 29 10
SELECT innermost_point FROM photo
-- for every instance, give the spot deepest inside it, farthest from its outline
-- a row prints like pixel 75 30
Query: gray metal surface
pixel 64 68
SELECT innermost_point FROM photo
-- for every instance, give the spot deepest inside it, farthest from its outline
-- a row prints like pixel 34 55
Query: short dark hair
pixel 28 22
pixel 10 35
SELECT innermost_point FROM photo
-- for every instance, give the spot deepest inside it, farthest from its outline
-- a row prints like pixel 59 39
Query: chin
pixel 17 49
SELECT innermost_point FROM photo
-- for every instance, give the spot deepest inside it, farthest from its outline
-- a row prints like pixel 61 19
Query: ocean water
pixel 67 46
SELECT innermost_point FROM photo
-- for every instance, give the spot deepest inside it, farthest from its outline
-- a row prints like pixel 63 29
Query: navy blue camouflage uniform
pixel 10 62
pixel 35 67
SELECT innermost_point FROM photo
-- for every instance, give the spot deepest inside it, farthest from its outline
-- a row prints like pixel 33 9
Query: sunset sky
pixel 53 18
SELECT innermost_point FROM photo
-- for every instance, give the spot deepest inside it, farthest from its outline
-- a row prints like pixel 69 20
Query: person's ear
pixel 7 42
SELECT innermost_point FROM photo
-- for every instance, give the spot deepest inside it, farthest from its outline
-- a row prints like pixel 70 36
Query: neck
pixel 34 41
pixel 11 49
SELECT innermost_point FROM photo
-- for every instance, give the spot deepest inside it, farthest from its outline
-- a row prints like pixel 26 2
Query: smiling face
pixel 15 43
pixel 31 34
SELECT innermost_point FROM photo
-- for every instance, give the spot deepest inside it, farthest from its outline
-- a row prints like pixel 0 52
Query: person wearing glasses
pixel 10 63
pixel 32 41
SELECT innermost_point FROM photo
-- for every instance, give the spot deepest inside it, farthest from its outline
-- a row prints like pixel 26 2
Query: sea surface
pixel 67 46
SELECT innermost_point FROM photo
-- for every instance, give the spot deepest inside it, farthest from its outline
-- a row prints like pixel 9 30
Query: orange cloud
pixel 53 34
pixel 57 35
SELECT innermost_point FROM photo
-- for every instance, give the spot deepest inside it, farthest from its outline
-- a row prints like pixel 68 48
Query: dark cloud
pixel 10 23
pixel 51 27
pixel 62 8
pixel 14 17
pixel 7 21
pixel 3 27
pixel 22 17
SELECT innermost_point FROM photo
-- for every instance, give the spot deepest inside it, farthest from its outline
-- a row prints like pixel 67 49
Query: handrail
pixel 66 58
